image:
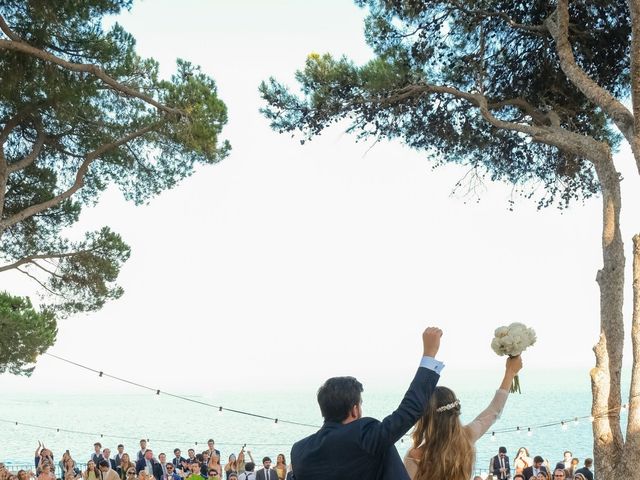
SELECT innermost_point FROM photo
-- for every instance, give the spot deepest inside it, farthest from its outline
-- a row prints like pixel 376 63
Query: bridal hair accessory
pixel 448 406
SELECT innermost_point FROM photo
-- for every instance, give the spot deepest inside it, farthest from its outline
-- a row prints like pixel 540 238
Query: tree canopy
pixel 438 62
pixel 533 93
pixel 81 111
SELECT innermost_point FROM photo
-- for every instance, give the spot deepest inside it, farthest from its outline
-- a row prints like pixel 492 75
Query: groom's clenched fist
pixel 431 341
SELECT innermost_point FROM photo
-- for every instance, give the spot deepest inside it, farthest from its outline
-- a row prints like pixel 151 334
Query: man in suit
pixel 118 458
pixel 106 456
pixel 266 473
pixel 500 465
pixel 586 470
pixel 96 456
pixel 536 468
pixel 351 446
pixel 178 460
pixel 148 463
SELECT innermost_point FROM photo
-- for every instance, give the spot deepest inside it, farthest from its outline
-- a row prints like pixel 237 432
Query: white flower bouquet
pixel 512 341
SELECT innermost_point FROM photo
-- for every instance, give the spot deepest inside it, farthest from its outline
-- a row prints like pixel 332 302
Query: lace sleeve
pixel 483 422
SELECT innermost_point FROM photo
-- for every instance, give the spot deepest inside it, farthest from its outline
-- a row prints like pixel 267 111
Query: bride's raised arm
pixel 489 415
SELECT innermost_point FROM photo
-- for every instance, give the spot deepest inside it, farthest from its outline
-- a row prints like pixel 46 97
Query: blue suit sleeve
pixel 378 436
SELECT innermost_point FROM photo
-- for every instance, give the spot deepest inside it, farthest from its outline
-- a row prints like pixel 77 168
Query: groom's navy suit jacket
pixel 363 449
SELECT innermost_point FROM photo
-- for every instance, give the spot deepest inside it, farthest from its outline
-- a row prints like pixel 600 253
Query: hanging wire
pixel 180 397
pixel 101 373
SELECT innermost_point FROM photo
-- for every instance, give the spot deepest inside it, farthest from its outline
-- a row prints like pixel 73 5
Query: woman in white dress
pixel 443 448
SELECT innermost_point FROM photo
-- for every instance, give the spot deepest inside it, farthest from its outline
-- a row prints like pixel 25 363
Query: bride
pixel 442 446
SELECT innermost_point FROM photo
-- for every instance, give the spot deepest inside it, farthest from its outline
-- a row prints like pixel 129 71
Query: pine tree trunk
pixel 608 442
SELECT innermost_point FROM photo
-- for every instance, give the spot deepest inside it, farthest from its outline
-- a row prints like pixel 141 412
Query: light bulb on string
pixel 518 430
pixel 57 434
pixel 624 407
pixel 15 427
pixel 493 436
pixel 275 424
pixel 219 411
pixel 529 432
pixel 576 421
pixel 591 419
pixel 564 426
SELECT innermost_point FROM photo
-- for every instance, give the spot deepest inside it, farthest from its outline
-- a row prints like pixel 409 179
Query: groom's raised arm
pixel 378 436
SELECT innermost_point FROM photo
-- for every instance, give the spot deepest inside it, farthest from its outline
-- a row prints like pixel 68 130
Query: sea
pixel 560 400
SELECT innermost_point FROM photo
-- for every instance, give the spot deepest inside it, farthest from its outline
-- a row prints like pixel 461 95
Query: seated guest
pixel 106 472
pixel 171 473
pixel 125 465
pixel 91 473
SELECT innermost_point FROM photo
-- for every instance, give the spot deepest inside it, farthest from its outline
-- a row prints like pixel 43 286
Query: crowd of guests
pixel 144 465
pixel 537 468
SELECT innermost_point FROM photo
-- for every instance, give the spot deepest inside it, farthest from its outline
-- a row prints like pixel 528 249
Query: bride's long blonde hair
pixel 446 450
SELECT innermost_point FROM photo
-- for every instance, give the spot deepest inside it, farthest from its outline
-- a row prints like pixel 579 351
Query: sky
pixel 286 264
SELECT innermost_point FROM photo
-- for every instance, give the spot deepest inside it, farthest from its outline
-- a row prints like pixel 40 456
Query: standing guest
pixel 106 472
pixel 42 454
pixel 143 449
pixel 573 467
pixel 241 463
pixel 559 474
pixel 143 475
pixel 522 460
pixel 518 476
pixel 231 466
pixel 543 475
pixel 535 469
pixel 444 448
pixel 69 468
pixel 203 458
pixel 106 456
pixel 96 456
pixel 586 470
pixel 195 471
pixel 500 465
pixel 281 467
pixel 91 473
pixel 126 466
pixel 212 448
pixel 351 446
pixel 161 468
pixel 248 474
pixel 266 473
pixel 178 460
pixel 214 465
pixel 191 453
pixel 119 455
pixel 566 460
pixel 24 475
pixel 147 463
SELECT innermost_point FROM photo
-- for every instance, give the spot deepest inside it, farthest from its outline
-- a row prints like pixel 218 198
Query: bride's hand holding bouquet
pixel 512 341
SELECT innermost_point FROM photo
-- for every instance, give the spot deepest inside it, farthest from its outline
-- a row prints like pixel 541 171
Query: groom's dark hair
pixel 337 396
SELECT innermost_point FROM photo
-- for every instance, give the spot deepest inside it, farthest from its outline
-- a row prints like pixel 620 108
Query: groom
pixel 349 446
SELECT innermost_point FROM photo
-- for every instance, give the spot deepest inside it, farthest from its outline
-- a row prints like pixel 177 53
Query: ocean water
pixel 168 422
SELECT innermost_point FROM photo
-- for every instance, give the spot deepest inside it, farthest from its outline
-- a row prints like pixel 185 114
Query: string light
pixel 564 424
pixel 173 395
pixel 124 437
